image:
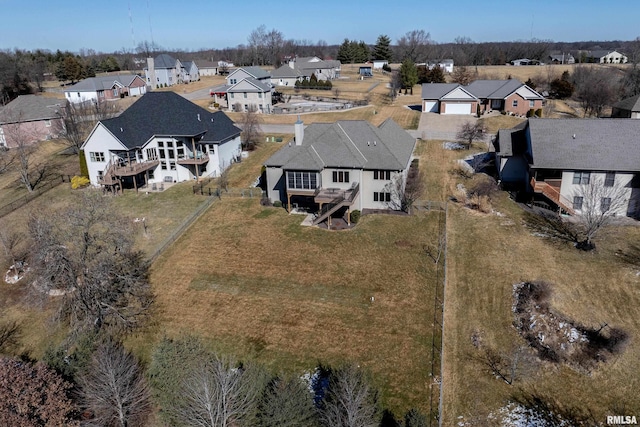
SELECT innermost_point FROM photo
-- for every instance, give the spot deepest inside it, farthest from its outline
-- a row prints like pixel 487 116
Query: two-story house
pixel 161 138
pixel 247 88
pixel 342 166
pixel 165 70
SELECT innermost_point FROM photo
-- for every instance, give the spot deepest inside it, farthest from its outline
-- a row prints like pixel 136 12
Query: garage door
pixel 458 109
pixel 430 107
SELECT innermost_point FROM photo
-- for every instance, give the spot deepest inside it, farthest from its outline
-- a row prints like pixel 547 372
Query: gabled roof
pixel 510 142
pixel 205 64
pixel 598 145
pixel 164 61
pixel 28 108
pixel 440 90
pixel 286 71
pixel 601 52
pixel 497 89
pixel 168 114
pixel 630 104
pixel 256 72
pixel 257 85
pixel 187 65
pixel 94 84
pixel 348 144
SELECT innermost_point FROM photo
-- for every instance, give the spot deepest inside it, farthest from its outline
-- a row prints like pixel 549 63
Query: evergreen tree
pixel 345 53
pixel 382 49
pixel 362 52
pixel 408 75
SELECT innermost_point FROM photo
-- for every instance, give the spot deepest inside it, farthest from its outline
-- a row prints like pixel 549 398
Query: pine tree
pixel 408 75
pixel 382 49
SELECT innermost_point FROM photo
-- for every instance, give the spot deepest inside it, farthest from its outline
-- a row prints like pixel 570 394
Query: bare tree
pixel 33 395
pixel 220 393
pixel 350 400
pixel 114 390
pixel 470 132
pixel 250 122
pixel 223 179
pixel 257 41
pixel 462 75
pixel 79 119
pixel 12 242
pixel 598 203
pixel 6 160
pixel 9 336
pixel 596 88
pixel 405 192
pixel 414 46
pixel 85 252
pixel 22 139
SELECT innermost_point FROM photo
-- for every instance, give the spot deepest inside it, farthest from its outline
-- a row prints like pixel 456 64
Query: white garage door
pixel 458 109
pixel 431 106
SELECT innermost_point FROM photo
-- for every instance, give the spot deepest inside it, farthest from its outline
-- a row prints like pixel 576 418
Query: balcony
pixel 132 169
pixel 199 158
pixel 328 195
pixel 550 188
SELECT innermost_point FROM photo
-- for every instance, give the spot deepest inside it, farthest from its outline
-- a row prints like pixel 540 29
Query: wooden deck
pixel 551 189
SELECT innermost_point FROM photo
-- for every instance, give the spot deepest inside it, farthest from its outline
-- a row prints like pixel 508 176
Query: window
pixel 181 153
pixel 231 94
pixel 212 149
pixel 169 144
pixel 115 92
pixel 151 175
pixel 232 81
pixel 160 144
pixel 259 94
pixel 96 156
pixel 47 123
pixel 151 154
pixel 581 177
pixel 514 103
pixel 302 180
pixel 244 95
pixel 609 179
pixel 78 94
pixel 171 154
pixel 532 104
pixel 162 154
pixel 605 204
pixel 381 196
pixel 340 176
pixel 172 165
pixel 246 107
pixel 577 202
pixel 386 175
pixel 163 165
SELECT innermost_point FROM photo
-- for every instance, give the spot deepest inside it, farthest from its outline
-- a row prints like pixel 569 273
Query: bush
pixel 277 204
pixel 84 170
pixel 79 182
pixel 538 112
pixel 265 202
pixel 355 216
pixel 386 67
pixel 531 112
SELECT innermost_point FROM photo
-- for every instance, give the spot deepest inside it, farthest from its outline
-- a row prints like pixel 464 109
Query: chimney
pixel 292 63
pixel 151 73
pixel 299 131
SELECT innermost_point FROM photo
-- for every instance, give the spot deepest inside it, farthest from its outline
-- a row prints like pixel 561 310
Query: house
pixel 510 95
pixel 106 88
pixel 605 57
pixel 247 88
pixel 445 64
pixel 553 159
pixel 207 68
pixel 288 75
pixel 525 61
pixel 161 138
pixel 561 58
pixel 627 108
pixel 165 70
pixel 342 166
pixel 378 64
pixel 448 98
pixel 322 69
pixel 28 119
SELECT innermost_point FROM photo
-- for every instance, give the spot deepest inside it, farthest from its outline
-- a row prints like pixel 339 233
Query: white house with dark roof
pixel 105 88
pixel 161 138
pixel 304 67
pixel 30 118
pixel 555 158
pixel 340 166
pixel 207 68
pixel 606 57
pixel 509 95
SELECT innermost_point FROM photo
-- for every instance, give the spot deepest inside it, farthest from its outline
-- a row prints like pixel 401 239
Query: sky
pixel 116 25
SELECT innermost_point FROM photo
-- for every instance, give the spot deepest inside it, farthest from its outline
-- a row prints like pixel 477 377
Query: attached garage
pixel 457 108
pixel 430 107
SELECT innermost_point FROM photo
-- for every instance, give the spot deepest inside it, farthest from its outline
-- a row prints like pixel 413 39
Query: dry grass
pixel 494 123
pixel 291 296
pixel 487 255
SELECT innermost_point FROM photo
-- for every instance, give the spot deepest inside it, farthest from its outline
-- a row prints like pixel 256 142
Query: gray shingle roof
pixel 629 104
pixel 513 141
pixel 599 144
pixel 286 71
pixel 164 61
pixel 205 64
pixel 26 108
pixel 94 84
pixel 494 89
pixel 260 86
pixel 257 72
pixel 348 144
pixel 167 113
pixel 437 90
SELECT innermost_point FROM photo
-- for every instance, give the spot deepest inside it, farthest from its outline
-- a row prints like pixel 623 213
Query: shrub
pixel 84 170
pixel 355 216
pixel 277 204
pixel 386 67
pixel 503 112
pixel 265 201
pixel 538 112
pixel 531 112
pixel 79 182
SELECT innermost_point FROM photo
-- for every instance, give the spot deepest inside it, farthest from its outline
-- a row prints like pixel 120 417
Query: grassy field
pixel 487 255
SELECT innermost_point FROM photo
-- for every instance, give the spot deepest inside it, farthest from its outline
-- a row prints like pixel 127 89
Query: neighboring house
pixel 561 58
pixel 510 95
pixel 28 119
pixel 627 108
pixel 247 87
pixel 605 57
pixel 322 69
pixel 554 158
pixel 287 75
pixel 445 64
pixel 106 88
pixel 207 68
pixel 447 98
pixel 525 61
pixel 166 70
pixel 161 138
pixel 378 64
pixel 339 167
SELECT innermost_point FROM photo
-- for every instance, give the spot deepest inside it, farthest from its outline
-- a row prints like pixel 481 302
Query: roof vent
pixel 574 136
pixel 199 117
pixel 374 143
pixel 368 143
pixel 121 130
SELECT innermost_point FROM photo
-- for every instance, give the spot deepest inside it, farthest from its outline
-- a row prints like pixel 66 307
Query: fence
pixel 16 204
pixel 205 189
pixel 180 230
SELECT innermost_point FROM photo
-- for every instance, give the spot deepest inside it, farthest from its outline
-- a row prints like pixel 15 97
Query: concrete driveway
pixel 442 126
